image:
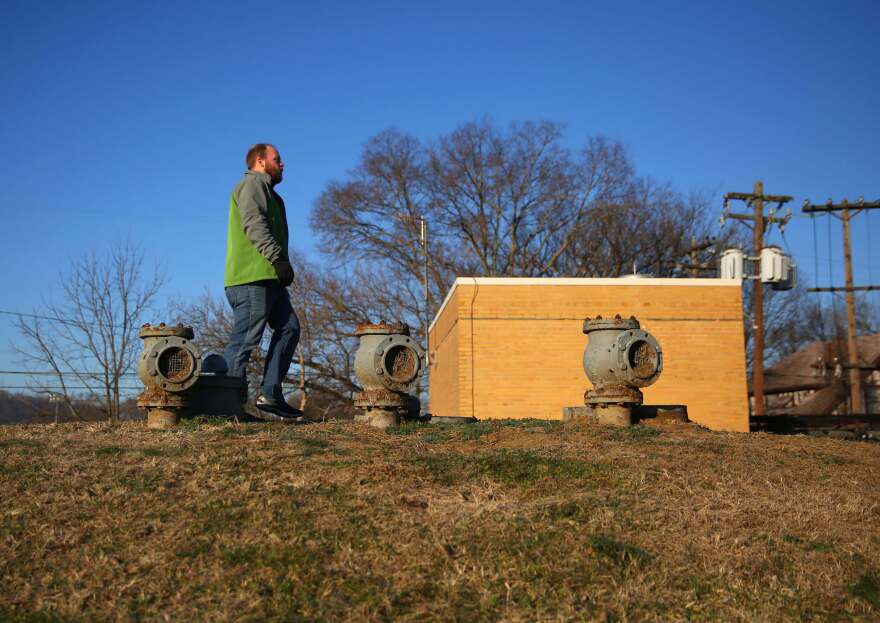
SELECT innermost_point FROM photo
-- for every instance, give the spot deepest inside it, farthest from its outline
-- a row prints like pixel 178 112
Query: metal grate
pixel 401 363
pixel 643 359
pixel 175 364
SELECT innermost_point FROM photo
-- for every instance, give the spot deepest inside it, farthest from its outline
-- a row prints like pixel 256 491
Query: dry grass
pixel 500 521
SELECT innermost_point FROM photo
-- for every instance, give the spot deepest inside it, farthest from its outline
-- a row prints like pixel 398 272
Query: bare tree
pixel 509 201
pixel 506 203
pixel 89 340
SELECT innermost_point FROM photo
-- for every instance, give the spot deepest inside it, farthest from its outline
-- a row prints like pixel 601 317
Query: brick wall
pixel 514 347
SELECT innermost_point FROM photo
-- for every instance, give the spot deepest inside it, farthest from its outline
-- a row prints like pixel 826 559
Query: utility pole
pixel 423 241
pixel 424 235
pixel 857 404
pixel 759 224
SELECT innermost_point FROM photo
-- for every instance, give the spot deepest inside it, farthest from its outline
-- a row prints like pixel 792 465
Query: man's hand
pixel 284 271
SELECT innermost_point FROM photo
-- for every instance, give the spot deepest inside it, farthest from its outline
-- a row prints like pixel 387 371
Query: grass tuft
pixel 546 425
pixel 639 432
pixel 618 552
pixel 807 544
pixel 408 428
pixel 21 443
pixel 437 436
pixel 111 450
pixel 867 588
pixel 38 616
pixel 513 467
pixel 239 431
pixel 472 432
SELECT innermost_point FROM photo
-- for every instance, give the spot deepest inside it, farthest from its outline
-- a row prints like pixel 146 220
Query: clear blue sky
pixel 132 118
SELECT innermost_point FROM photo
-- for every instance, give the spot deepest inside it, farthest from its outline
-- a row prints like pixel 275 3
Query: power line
pixel 61 373
pixel 75 323
pixel 58 387
pixel 815 254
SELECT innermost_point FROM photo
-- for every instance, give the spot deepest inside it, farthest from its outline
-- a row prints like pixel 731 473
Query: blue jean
pixel 253 306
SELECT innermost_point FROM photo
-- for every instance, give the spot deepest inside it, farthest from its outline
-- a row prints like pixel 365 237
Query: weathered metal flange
pixel 381 328
pixel 163 409
pixel 613 394
pixel 390 361
pixel 380 399
pixel 603 324
pixel 163 330
pixel 639 357
pixel 156 398
pixel 171 363
pixel 399 358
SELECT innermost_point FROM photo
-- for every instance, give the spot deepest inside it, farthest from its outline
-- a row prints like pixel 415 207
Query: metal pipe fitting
pixel 388 364
pixel 168 365
pixel 619 358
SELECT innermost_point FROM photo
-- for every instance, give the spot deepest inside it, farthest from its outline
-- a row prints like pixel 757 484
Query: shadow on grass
pixel 807 544
pixel 38 616
pixel 867 588
pixel 443 432
pixel 618 552
pixel 20 443
pixel 639 432
pixel 514 467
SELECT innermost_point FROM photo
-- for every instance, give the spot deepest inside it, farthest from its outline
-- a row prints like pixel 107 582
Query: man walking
pixel 258 272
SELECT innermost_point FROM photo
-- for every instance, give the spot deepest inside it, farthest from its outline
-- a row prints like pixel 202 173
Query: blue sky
pixel 132 117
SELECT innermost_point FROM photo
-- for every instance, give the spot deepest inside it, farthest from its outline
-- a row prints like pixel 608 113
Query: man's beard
pixel 275 174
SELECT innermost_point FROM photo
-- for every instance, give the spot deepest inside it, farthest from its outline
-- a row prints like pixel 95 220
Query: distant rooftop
pixel 800 371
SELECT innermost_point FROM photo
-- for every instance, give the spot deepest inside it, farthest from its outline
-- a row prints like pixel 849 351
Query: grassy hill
pixel 514 521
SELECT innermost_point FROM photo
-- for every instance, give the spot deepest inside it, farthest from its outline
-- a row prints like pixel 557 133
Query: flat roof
pixel 633 280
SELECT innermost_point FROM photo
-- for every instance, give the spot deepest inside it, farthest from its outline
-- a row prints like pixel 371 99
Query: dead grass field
pixel 512 521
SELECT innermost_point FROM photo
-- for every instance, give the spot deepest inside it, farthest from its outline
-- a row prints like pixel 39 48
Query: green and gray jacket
pixel 257 231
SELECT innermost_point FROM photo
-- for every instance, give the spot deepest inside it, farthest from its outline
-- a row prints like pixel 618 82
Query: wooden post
pixel 757 217
pixel 758 327
pixel 855 374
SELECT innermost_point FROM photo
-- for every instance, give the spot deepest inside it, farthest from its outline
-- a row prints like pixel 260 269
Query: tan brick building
pixel 512 348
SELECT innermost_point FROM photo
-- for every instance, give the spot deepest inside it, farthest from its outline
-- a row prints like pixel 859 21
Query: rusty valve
pixel 619 358
pixel 388 363
pixel 169 365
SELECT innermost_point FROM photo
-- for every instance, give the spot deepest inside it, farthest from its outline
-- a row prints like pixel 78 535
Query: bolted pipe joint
pixel 620 358
pixel 388 364
pixel 168 366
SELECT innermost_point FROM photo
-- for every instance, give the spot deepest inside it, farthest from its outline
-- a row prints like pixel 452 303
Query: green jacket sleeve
pixel 253 205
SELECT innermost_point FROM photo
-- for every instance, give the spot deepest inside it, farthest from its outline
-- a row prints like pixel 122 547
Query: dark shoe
pixel 278 410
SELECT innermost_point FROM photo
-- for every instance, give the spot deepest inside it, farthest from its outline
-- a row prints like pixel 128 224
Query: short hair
pixel 257 151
